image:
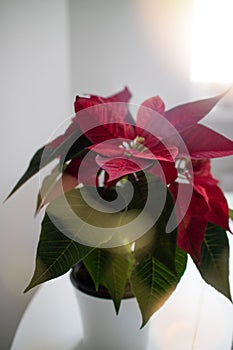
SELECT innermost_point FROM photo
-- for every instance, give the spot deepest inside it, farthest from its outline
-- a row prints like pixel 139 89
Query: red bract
pixel 200 141
pixel 120 157
pixel 120 146
pixel 154 136
pixel 120 142
pixel 208 204
pixel 85 102
pixel 107 124
pixel 102 119
pixel 82 103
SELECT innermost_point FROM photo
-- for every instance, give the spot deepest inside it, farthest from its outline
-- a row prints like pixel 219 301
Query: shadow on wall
pixel 11 317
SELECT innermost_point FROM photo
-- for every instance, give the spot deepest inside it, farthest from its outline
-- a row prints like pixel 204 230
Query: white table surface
pixel 196 317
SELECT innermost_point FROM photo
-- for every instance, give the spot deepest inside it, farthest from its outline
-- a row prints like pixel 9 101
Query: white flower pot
pixel 104 330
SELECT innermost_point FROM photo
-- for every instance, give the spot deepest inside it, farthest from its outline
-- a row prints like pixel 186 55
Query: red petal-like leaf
pixel 191 230
pixel 158 153
pixel 154 103
pixel 186 115
pixel 110 148
pixel 105 121
pixel 219 212
pixel 84 169
pixel 153 127
pixel 85 102
pixel 203 142
pixel 166 171
pixel 202 168
pixel 104 118
pixel 167 150
pixel 206 185
pixel 115 147
pixel 120 167
pixel 149 118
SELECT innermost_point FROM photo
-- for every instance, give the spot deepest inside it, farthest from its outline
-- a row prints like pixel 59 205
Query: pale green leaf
pixel 231 214
pixel 82 217
pixel 46 187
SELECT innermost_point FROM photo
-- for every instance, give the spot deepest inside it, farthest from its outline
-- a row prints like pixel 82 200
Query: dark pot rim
pixel 82 281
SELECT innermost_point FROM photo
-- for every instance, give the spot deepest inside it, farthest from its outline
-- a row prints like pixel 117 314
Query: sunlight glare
pixel 212 38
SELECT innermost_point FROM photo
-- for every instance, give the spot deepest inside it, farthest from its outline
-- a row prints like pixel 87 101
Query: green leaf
pixel 152 283
pixel 115 277
pixel 108 266
pixel 56 254
pixel 157 242
pixel 77 147
pixel 66 234
pixel 70 146
pixel 165 243
pixel 33 168
pixel 214 266
pixel 41 158
pixel 140 187
pixel 156 275
pixel 110 269
pixel 181 262
pixel 95 263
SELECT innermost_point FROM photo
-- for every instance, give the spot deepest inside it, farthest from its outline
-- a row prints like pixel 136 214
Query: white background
pixel 52 50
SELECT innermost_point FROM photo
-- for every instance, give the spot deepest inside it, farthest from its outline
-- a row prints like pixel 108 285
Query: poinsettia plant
pixel 131 199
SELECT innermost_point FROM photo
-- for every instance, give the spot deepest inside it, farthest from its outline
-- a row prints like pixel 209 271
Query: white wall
pixel 34 98
pixel 144 44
